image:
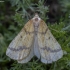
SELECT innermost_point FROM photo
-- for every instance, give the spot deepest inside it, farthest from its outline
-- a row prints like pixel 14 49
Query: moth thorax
pixel 36 25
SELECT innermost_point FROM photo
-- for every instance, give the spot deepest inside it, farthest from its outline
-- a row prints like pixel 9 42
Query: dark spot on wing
pixel 49 37
pixel 21 36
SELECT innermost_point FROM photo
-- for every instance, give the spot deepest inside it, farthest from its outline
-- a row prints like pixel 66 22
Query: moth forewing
pixel 21 45
pixel 48 46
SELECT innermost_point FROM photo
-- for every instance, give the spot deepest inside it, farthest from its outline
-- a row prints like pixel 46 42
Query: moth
pixel 35 39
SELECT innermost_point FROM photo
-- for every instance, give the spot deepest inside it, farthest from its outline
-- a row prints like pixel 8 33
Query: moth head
pixel 36 18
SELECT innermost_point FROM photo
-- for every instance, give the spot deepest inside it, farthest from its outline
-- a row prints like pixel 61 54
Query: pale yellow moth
pixel 35 39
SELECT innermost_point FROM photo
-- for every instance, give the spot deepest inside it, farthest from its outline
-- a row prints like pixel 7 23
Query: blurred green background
pixel 15 13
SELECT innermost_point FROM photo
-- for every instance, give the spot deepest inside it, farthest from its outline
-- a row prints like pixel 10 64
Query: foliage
pixel 11 24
